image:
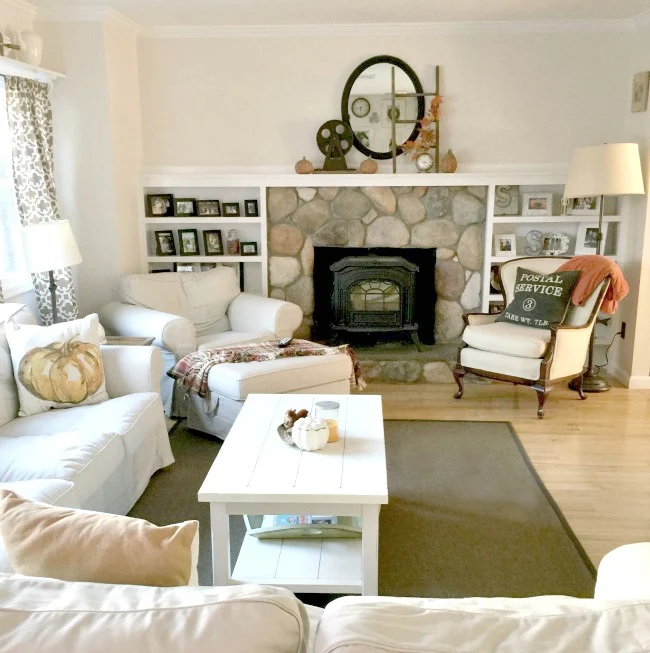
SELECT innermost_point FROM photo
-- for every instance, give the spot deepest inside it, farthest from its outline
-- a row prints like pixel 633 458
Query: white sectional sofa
pixel 97 457
pixel 53 616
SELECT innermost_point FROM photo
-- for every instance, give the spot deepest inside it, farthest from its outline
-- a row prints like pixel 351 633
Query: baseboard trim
pixel 639 383
pixel 619 374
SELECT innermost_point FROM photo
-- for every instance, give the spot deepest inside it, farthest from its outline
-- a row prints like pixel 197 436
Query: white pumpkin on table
pixel 309 433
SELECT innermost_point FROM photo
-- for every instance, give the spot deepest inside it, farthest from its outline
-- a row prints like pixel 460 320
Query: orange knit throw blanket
pixel 593 269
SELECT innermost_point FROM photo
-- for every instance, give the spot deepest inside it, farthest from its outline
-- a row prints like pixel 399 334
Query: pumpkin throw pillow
pixel 58 366
pixel 95 547
pixel 541 300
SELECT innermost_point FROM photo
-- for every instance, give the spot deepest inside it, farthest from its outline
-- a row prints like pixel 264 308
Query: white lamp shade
pixel 609 169
pixel 49 246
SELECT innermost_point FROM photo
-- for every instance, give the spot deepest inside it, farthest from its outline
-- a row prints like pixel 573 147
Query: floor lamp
pixel 603 170
pixel 50 246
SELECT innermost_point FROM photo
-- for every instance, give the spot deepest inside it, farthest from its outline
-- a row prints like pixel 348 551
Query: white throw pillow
pixel 58 366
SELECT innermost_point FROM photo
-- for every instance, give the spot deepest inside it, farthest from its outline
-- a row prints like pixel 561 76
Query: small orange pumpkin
pixel 304 166
pixel 64 372
pixel 368 167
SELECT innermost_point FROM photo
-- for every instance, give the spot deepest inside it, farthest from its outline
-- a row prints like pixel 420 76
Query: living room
pixel 220 102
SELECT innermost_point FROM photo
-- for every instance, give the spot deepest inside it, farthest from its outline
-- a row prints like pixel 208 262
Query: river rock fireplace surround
pixel 448 220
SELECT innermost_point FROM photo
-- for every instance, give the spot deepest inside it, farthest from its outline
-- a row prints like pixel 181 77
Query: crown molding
pixel 21 7
pixel 82 14
pixel 381 29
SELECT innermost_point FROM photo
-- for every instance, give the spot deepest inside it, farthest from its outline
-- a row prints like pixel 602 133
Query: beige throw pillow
pixel 81 545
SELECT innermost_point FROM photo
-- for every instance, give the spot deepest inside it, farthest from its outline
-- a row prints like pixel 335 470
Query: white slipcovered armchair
pixel 523 354
pixel 190 311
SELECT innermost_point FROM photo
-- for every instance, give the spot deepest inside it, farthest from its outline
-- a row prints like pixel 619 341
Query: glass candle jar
pixel 232 242
pixel 329 411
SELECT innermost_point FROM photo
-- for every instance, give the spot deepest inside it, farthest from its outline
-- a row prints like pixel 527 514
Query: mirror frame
pixel 345 101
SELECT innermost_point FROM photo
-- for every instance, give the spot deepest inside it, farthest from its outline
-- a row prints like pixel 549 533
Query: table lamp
pixel 602 170
pixel 50 246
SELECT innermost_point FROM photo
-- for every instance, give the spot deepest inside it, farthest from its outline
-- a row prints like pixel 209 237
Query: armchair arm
pixel 131 369
pixel 253 313
pixel 569 351
pixel 171 332
pixel 476 319
pixel 624 573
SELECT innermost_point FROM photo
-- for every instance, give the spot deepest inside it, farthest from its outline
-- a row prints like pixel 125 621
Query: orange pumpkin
pixel 64 372
pixel 304 166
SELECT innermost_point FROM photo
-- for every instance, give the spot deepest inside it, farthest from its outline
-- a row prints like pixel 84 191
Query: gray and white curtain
pixel 30 123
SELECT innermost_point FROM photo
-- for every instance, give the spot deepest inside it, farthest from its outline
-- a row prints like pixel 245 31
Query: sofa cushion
pixel 87 458
pixel 9 404
pixel 238 380
pixel 82 545
pixel 488 625
pixel 161 292
pixel 227 338
pixel 506 338
pixel 208 296
pixel 122 618
pixel 57 366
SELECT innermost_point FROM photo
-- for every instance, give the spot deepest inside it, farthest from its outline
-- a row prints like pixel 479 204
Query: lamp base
pixel 592 381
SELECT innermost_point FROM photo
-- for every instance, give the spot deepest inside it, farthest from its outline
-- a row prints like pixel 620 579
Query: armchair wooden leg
pixel 541 391
pixel 459 373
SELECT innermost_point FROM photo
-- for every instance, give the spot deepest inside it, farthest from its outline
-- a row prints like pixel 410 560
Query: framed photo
pixel 231 209
pixel 538 204
pixel 584 205
pixel 587 240
pixel 206 267
pixel 165 243
pixel 248 249
pixel 188 240
pixel 185 207
pixel 160 206
pixel 386 111
pixel 208 208
pixel 251 208
pixel 495 280
pixel 505 245
pixel 212 242
pixel 640 91
pixel 184 267
pixel 506 200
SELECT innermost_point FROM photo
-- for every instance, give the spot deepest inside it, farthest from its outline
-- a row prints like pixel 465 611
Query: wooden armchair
pixel 525 355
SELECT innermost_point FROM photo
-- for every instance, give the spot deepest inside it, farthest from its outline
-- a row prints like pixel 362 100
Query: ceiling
pixel 323 12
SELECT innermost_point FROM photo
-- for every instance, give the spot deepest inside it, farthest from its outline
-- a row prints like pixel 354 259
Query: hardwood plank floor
pixel 593 456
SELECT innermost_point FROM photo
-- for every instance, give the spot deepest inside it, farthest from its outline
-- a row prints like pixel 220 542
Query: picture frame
pixel 165 245
pixel 208 208
pixel 537 204
pixel 184 207
pixel 212 242
pixel 506 200
pixel 495 280
pixel 188 241
pixel 505 246
pixel 584 205
pixel 230 209
pixel 184 267
pixel 160 205
pixel 640 84
pixel 206 267
pixel 586 242
pixel 248 249
pixel 251 208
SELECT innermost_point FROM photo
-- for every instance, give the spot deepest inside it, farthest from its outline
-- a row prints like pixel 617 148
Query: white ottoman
pixel 231 383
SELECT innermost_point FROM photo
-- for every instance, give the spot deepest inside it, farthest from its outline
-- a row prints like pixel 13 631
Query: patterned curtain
pixel 30 123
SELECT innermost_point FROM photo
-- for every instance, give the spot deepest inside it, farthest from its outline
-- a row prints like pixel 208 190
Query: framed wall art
pixel 189 242
pixel 248 249
pixel 584 205
pixel 505 245
pixel 587 239
pixel 160 205
pixel 208 208
pixel 212 242
pixel 184 207
pixel 251 208
pixel 165 243
pixel 231 209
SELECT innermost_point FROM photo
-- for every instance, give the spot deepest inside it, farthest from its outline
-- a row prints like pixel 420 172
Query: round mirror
pixel 366 105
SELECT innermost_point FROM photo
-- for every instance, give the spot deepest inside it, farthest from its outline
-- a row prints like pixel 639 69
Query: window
pixel 14 278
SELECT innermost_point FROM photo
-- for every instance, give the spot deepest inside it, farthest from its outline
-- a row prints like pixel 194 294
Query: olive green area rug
pixel 467 514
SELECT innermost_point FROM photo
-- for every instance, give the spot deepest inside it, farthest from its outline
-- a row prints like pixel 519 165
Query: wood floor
pixel 593 455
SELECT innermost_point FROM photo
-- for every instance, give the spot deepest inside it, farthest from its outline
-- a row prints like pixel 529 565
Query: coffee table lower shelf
pixel 332 566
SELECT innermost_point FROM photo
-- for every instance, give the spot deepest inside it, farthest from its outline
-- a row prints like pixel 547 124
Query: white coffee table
pixel 256 473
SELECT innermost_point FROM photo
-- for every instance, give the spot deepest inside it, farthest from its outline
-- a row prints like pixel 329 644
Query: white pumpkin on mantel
pixel 309 433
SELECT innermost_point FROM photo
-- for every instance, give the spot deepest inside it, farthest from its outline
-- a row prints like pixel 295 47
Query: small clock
pixel 361 107
pixel 424 162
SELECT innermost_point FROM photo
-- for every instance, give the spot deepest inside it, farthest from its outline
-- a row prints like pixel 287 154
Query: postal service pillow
pixel 541 300
pixel 58 366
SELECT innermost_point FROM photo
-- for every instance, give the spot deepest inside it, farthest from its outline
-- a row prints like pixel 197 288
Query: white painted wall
pixel 508 98
pixel 14 19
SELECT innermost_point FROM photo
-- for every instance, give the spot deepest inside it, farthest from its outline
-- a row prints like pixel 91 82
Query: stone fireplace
pixel 447 219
